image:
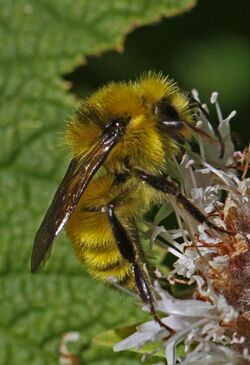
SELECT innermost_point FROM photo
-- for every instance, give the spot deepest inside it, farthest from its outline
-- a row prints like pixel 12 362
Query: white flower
pixel 217 317
pixel 185 316
pixel 212 152
pixel 185 266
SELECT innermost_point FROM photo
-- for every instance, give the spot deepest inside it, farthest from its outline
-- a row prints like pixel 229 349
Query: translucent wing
pixel 68 194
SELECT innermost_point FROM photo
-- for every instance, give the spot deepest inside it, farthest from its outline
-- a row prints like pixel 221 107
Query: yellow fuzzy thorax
pixel 143 142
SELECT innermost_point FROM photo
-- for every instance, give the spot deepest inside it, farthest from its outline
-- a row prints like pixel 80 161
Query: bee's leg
pixel 162 184
pixel 130 253
pixel 196 104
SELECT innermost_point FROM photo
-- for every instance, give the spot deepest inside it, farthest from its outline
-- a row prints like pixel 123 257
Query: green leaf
pixel 40 40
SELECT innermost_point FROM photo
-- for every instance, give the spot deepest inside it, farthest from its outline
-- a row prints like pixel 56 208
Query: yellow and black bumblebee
pixel 123 137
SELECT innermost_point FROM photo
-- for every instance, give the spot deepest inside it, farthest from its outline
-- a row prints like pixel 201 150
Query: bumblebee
pixel 123 137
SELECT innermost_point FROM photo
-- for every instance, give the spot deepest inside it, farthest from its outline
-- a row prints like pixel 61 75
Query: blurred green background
pixel 43 42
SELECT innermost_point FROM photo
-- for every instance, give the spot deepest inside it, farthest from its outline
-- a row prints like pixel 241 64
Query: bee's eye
pixel 165 111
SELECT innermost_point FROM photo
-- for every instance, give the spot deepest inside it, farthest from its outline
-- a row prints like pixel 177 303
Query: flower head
pixel 214 322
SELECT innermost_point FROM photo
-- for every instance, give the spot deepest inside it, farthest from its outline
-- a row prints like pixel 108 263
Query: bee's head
pixel 164 100
pixel 156 133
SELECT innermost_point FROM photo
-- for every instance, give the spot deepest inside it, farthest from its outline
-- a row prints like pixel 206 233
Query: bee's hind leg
pixel 130 253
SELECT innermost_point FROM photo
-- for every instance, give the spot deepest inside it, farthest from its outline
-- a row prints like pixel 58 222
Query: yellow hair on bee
pixel 111 101
pixel 123 138
pixel 91 232
pixel 147 144
pixel 136 101
pixel 154 87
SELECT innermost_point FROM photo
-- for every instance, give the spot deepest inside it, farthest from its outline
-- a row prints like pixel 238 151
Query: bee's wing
pixel 67 196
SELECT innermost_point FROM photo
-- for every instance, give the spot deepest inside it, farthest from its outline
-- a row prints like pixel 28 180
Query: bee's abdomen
pixel 96 247
pixel 106 264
